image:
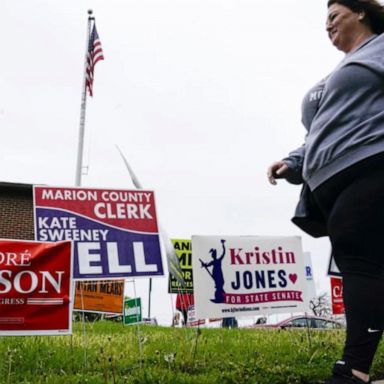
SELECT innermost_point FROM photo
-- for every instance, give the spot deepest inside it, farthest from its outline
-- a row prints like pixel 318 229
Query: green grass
pixel 111 353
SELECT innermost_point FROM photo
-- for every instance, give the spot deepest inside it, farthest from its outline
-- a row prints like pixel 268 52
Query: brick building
pixel 16 211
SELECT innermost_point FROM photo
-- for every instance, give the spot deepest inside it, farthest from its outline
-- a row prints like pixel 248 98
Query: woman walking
pixel 342 162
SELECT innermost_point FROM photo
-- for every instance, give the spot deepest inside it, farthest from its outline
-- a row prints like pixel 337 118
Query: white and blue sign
pixel 115 232
pixel 248 275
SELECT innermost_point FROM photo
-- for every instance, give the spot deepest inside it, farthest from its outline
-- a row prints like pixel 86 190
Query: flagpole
pixel 80 147
pixel 149 298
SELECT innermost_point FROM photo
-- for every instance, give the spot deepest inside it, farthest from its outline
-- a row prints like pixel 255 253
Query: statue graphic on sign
pixel 216 273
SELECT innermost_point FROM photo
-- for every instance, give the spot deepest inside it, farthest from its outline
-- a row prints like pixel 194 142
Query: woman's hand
pixel 276 171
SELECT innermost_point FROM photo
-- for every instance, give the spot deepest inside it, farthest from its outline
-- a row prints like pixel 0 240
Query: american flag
pixel 95 53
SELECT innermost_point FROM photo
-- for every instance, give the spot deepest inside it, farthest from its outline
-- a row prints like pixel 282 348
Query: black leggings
pixel 353 205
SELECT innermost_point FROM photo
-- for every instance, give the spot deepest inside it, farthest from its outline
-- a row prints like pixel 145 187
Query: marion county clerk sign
pixel 115 232
pixel 248 275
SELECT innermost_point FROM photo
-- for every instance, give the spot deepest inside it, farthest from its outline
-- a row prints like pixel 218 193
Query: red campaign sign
pixel 35 288
pixel 337 296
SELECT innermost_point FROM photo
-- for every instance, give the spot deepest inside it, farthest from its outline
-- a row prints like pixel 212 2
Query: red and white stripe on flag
pixel 95 54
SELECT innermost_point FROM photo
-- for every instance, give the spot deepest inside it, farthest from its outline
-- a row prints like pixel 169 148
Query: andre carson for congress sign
pixel 248 275
pixel 35 288
pixel 115 232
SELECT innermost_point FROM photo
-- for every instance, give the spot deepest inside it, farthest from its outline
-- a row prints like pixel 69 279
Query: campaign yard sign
pixel 192 320
pixel 248 276
pixel 183 249
pixel 132 311
pixel 309 276
pixel 35 288
pixel 104 296
pixel 337 296
pixel 115 232
pixel 333 270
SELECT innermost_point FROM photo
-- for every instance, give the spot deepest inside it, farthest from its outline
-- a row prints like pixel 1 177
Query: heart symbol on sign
pixel 292 277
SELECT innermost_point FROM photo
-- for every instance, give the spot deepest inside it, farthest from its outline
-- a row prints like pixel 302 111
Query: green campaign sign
pixel 132 311
pixel 183 249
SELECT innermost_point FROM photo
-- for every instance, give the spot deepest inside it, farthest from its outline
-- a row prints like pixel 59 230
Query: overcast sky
pixel 200 95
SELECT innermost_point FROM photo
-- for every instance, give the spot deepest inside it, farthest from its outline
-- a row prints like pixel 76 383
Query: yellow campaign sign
pixel 183 249
pixel 104 296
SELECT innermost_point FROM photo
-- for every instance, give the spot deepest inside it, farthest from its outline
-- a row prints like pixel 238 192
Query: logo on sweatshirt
pixel 316 95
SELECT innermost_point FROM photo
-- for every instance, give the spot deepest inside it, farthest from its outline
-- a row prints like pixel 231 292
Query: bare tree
pixel 321 305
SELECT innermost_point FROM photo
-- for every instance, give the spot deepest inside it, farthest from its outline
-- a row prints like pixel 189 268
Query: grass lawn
pixel 107 352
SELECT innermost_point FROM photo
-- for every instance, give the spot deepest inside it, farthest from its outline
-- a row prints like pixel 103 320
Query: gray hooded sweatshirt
pixel 343 115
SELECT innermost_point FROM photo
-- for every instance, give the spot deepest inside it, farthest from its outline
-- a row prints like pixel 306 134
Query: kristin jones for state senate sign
pixel 248 275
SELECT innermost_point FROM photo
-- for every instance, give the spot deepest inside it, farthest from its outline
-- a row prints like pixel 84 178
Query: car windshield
pixel 302 322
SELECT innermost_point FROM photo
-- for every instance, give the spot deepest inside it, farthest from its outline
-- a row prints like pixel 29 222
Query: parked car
pixel 303 322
